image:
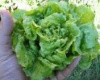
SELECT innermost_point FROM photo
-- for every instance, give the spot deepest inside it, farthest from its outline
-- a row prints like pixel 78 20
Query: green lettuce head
pixel 49 37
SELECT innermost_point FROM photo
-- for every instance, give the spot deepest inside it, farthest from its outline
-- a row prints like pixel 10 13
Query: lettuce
pixel 49 37
pixel 85 18
pixel 87 44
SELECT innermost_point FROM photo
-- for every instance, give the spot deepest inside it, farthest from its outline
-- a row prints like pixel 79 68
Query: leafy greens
pixel 49 37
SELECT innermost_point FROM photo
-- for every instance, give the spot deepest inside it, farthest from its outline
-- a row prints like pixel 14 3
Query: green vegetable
pixel 87 44
pixel 49 37
pixel 85 18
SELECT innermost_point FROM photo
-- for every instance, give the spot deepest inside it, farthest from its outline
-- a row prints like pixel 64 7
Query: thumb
pixel 6 24
pixel 61 75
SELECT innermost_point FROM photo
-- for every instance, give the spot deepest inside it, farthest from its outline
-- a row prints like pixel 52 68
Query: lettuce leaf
pixel 85 13
pixel 87 44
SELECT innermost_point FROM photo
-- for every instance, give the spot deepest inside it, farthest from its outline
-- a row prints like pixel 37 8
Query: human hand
pixel 9 67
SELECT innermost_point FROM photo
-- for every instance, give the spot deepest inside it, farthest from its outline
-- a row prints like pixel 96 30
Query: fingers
pixel 6 24
pixel 61 75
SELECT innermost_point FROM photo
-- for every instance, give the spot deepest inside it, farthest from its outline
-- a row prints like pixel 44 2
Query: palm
pixel 9 67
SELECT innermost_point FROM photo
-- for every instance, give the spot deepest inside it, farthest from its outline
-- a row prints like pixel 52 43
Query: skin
pixel 9 67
